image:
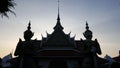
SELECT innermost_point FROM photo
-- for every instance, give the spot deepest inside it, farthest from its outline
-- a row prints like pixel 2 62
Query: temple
pixel 58 50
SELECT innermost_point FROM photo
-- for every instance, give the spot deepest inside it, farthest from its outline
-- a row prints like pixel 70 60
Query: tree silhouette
pixel 6 6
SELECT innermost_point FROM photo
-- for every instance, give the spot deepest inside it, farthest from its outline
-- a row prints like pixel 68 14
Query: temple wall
pixel 72 63
pixel 44 63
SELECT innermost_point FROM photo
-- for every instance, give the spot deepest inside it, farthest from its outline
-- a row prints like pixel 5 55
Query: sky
pixel 103 17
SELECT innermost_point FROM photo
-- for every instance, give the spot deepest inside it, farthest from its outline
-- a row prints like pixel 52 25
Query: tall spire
pixel 58 24
pixel 58 11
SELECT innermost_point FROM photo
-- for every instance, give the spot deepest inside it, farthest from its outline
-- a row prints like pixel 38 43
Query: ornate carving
pixel 91 49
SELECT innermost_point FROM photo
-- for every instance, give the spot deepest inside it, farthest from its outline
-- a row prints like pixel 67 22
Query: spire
pixel 58 24
pixel 87 27
pixel 28 34
pixel 58 11
pixel 29 25
pixel 87 34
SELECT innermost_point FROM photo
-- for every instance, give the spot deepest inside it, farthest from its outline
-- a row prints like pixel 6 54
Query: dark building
pixel 58 50
pixel 117 58
pixel 116 64
pixel 0 63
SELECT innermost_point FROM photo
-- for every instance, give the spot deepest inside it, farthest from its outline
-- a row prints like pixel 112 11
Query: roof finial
pixel 58 24
pixel 29 25
pixel 28 34
pixel 58 11
pixel 58 5
pixel 87 27
pixel 88 33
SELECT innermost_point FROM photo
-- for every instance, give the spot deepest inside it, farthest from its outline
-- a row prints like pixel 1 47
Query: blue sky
pixel 103 17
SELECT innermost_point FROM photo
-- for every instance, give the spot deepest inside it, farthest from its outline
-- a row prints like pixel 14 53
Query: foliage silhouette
pixel 6 6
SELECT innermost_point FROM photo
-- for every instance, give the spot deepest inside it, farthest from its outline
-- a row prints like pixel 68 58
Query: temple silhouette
pixel 58 50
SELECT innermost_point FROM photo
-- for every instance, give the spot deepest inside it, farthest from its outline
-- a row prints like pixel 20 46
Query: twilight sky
pixel 103 17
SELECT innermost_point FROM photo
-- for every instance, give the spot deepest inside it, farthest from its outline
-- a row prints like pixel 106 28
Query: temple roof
pixel 58 38
pixel 58 25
